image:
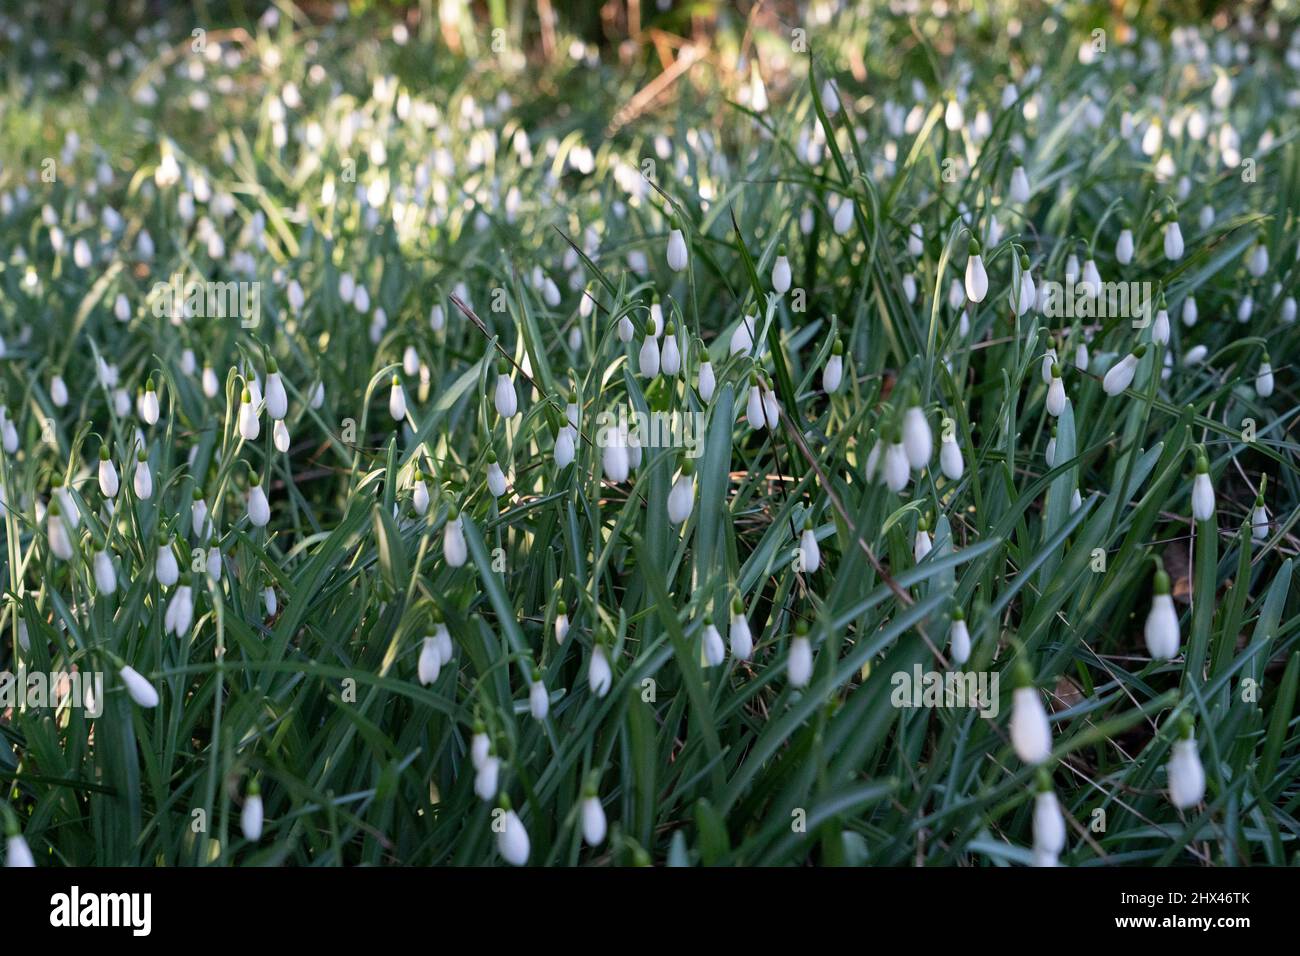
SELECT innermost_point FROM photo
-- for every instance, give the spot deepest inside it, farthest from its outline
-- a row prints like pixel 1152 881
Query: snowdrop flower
pixel 199 523
pixel 1259 516
pixel 1030 734
pixel 915 240
pixel 180 612
pixel 1049 824
pixel 1264 378
pixel 810 553
pixel 270 602
pixel 539 701
pixel 1025 295
pixel 754 405
pixel 953 117
pixel 1195 355
pixel 648 358
pixel 512 838
pixel 781 272
pixel 958 638
pixel 771 409
pixel 1124 247
pixel 105 576
pixel 149 404
pixel 58 391
pixel 922 544
pixel 249 427
pixel 1090 281
pixel 1173 242
pixel 896 465
pixel 739 636
pixel 454 548
pixel 561 622
pixel 1049 455
pixel 1245 308
pixel 682 496
pixel 977 280
pixel 1202 490
pixel 507 402
pixel 1121 373
pixel 1056 394
pixel 496 478
pixel 1160 324
pixel 108 482
pixel 18 854
pixel 122 308
pixel 1288 310
pixel 599 675
pixel 705 380
pixel 1257 263
pixel 166 569
pixel 950 458
pixel 487 780
pixel 799 665
pixel 843 220
pixel 676 248
pixel 625 329
pixel 480 745
pixel 429 664
pixel 397 400
pixel 1019 185
pixel 141 691
pixel 56 528
pixel 280 436
pixel 1161 630
pixel 712 650
pixel 742 340
pixel 918 440
pixel 564 448
pixel 259 509
pixel 250 819
pixel 209 382
pixel 143 478
pixel 593 817
pixel 1186 774
pixel 277 401
pixel 833 373
pixel 672 356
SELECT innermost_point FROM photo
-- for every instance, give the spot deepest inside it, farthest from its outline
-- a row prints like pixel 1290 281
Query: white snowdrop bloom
pixel 209 382
pixel 1257 262
pixel 487 780
pixel 1056 394
pixel 149 405
pixel 512 840
pixel 593 820
pixel 259 509
pixel 958 638
pixel 108 480
pixel 843 220
pixel 1196 355
pixel 810 553
pixel 454 548
pixel 58 391
pixel 539 701
pixel 180 612
pixel 199 523
pixel 833 373
pixel 977 280
pixel 317 396
pixel 561 622
pixel 1173 242
pixel 142 480
pixel 480 746
pixel 1160 325
pixel 437 317
pixel 771 409
pixel 251 817
pixel 706 382
pixel 280 435
pixel 1124 247
pixel 1121 373
pixel 1206 218
pixel 915 240
pixel 953 117
pixel 615 458
pixel 1186 774
pixel 141 691
pixel 599 675
pixel 1161 630
pixel 442 639
pixel 625 329
pixel 166 570
pixel 277 400
pixel 1259 516
pixel 754 406
pixel 397 400
pixel 1050 454
pixel 1090 281
pixel 56 528
pixel 564 448
pixel 1049 828
pixel 297 298
pixel 361 300
pixel 799 665
pixel 122 308
pixel 1152 139
pixel 909 288
pixel 1202 491
pixel 922 543
pixel 781 272
pixel 1030 734
pixel 429 664
pixel 1049 363
pixel 496 478
pixel 739 636
pixel 918 440
pixel 507 402
pixel 1019 185
pixel 1076 501
pixel 956 294
pixel 1245 308
pixel 18 855
pixel 896 467
pixel 682 496
pixel 105 576
pixel 742 339
pixel 648 358
pixel 671 357
pixel 1025 296
pixel 550 293
pixel 188 362
pixel 676 249
pixel 1287 313
pixel 712 651
pixel 1081 356
pixel 270 601
pixel 1264 378
pixel 249 426
pixel 1221 92
pixel 950 458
